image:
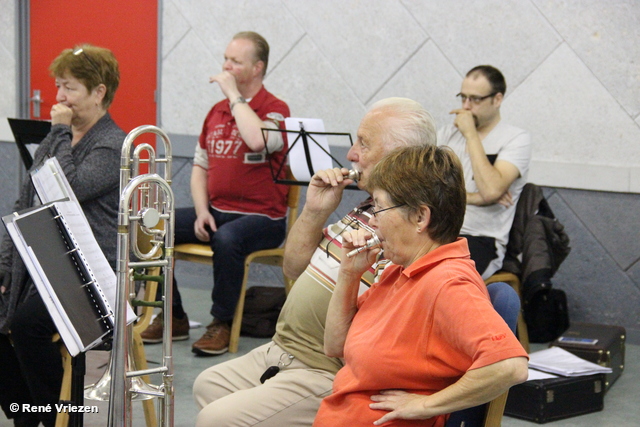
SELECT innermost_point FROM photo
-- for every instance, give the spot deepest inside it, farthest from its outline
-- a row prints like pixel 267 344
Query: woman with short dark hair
pixel 87 143
pixel 425 340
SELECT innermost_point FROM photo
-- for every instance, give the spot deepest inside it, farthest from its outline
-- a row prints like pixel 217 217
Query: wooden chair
pixel 514 282
pixel 62 419
pixel 507 303
pixel 202 253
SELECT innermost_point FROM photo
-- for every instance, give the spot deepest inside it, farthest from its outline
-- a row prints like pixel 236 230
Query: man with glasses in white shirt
pixel 495 157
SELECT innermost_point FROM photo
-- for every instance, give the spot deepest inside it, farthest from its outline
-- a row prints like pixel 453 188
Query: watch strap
pixel 239 100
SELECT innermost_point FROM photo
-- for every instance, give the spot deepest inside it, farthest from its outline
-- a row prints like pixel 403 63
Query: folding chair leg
pixel 236 326
pixel 523 333
pixel 62 419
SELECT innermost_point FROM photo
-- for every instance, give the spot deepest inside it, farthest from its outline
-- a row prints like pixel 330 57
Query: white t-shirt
pixel 506 143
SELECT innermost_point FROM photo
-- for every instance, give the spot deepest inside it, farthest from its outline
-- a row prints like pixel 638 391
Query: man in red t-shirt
pixel 238 208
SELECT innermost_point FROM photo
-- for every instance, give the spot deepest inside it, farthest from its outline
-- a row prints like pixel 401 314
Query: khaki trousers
pixel 230 394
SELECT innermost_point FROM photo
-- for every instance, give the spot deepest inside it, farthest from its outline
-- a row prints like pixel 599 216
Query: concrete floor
pixel 621 402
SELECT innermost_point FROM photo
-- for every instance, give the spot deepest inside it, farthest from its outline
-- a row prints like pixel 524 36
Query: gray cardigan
pixel 92 168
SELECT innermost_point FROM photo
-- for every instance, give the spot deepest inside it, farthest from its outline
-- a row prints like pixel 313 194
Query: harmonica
pixel 353 174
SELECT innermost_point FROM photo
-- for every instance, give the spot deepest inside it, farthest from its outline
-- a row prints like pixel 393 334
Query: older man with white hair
pixel 284 381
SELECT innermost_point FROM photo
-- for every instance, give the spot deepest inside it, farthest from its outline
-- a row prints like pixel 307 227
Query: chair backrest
pixel 506 302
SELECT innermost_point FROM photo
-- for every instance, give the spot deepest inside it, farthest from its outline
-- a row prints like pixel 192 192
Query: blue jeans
pixel 238 235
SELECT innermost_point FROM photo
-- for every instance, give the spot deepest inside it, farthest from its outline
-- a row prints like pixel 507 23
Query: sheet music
pixel 559 361
pixel 51 184
pixel 534 374
pixel 297 155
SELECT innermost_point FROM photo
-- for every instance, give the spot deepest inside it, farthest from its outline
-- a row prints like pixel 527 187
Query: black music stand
pixel 26 131
pixel 306 138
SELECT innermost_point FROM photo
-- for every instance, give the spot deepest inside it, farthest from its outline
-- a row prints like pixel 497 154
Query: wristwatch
pixel 239 100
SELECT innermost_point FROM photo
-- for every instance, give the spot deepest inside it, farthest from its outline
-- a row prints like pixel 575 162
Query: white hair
pixel 408 123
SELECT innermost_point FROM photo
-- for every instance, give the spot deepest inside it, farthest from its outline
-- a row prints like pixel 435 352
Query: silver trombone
pixel 147 206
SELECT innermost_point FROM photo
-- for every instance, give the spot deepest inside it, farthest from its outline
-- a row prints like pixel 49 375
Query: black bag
pixel 607 350
pixel 546 313
pixel 262 305
pixel 553 399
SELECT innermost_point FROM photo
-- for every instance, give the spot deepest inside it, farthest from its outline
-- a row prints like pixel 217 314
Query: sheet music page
pixel 297 156
pixel 50 182
pixel 559 361
pixel 81 231
pixel 539 375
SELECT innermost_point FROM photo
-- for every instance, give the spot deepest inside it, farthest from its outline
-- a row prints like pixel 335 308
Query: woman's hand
pixel 358 263
pixel 5 281
pixel 61 114
pixel 402 405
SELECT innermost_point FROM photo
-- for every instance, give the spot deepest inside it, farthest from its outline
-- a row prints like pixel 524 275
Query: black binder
pixel 27 131
pixel 62 275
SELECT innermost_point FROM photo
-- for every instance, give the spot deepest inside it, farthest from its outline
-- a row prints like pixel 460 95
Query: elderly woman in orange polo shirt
pixel 425 340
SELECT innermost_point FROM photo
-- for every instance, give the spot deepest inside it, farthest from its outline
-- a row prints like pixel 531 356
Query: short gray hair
pixel 407 123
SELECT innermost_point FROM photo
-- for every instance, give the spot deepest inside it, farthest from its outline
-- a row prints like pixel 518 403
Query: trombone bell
pixel 140 390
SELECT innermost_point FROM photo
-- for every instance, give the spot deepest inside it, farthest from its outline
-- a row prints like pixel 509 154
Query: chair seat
pixel 193 252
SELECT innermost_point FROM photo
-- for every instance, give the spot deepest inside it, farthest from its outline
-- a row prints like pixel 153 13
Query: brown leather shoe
pixel 153 333
pixel 214 341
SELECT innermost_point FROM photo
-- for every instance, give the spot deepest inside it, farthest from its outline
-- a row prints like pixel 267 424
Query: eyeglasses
pixel 95 67
pixel 375 213
pixel 474 99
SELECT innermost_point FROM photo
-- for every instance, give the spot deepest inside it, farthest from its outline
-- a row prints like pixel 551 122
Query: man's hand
pixel 203 224
pixel 323 197
pixel 465 122
pixel 325 189
pixel 227 83
pixel 61 114
pixel 505 200
pixel 403 406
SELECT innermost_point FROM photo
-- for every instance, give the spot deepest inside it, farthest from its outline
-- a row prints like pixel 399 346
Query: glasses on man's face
pixel 91 62
pixel 474 99
pixel 376 212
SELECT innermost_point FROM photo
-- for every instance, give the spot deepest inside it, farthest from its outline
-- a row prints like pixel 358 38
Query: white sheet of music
pixel 559 361
pixel 50 182
pixel 317 148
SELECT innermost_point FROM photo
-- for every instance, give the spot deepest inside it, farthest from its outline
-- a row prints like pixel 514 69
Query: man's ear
pixel 497 99
pixel 258 68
